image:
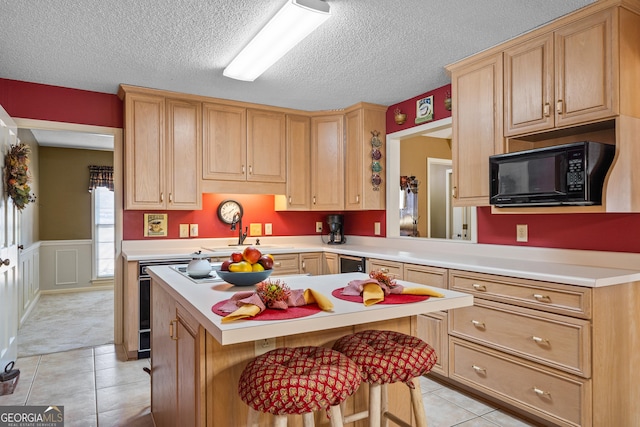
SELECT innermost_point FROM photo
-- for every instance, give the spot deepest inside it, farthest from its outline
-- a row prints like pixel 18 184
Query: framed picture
pixel 155 225
pixel 424 109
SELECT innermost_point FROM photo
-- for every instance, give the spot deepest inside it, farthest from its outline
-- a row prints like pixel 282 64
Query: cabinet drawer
pixel 389 267
pixel 557 341
pixel 560 398
pixel 547 296
pixel 432 328
pixel 430 276
pixel 285 264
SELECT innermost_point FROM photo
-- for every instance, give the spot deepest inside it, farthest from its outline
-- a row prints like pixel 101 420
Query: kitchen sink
pixel 241 247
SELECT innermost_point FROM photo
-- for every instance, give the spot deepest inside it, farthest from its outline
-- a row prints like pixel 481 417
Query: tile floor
pixel 99 389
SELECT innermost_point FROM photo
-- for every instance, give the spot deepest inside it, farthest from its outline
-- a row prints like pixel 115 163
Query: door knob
pixel 21 247
pixel 5 261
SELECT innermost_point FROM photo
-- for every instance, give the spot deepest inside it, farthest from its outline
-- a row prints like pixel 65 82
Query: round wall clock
pixel 229 211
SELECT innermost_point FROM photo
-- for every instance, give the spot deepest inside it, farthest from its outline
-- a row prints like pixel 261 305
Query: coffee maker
pixel 336 236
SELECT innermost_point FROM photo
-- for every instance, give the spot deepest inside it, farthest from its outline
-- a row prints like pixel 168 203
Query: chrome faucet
pixel 237 218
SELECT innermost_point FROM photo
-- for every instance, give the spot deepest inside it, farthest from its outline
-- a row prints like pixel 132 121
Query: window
pixel 103 232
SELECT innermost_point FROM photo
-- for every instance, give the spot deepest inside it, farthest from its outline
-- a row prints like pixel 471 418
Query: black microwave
pixel 568 174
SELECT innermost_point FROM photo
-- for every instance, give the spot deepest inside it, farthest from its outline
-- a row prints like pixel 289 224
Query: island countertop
pixel 199 298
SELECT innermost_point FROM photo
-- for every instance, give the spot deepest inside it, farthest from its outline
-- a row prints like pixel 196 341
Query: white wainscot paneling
pixel 65 264
pixel 29 280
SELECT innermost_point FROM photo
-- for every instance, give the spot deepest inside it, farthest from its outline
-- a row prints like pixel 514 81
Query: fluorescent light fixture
pixel 295 21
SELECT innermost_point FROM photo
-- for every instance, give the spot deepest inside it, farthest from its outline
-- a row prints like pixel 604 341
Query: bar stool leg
pixel 253 418
pixel 280 421
pixel 416 403
pixel 384 406
pixel 336 416
pixel 375 399
pixel 307 420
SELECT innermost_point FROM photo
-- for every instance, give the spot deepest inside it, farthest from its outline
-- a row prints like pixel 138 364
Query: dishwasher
pixel 352 264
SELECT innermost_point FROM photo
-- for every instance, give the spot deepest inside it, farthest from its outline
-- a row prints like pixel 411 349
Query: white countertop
pixel 199 298
pixel 534 263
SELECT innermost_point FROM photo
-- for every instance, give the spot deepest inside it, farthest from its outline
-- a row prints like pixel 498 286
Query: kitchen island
pixel 197 360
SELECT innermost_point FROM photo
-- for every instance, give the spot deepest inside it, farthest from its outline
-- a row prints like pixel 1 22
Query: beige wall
pixel 64 199
pixel 29 217
pixel 413 161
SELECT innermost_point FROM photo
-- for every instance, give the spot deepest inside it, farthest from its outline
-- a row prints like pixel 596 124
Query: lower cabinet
pixel 311 263
pixel 284 264
pixel 331 263
pixel 177 374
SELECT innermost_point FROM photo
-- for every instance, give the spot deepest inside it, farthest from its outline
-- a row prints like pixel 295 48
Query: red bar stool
pixel 387 357
pixel 298 380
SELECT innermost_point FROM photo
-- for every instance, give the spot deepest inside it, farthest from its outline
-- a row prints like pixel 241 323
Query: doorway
pixel 89 133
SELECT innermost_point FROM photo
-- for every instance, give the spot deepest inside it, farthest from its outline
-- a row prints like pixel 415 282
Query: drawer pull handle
pixel 478 368
pixel 542 298
pixel 173 329
pixel 541 392
pixel 479 287
pixel 478 324
pixel 277 264
pixel 384 270
pixel 540 340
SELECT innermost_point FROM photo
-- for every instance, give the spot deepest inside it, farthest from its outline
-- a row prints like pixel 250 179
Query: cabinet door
pixel 392 268
pixel 311 263
pixel 529 86
pixel 298 154
pixel 144 152
pixel 359 192
pixel 184 144
pixel 189 341
pixel 327 163
pixel 432 329
pixel 477 128
pixel 224 134
pixel 331 263
pixel 163 360
pixel 266 146
pixel 585 69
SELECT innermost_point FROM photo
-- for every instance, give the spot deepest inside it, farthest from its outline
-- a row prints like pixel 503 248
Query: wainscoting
pixel 65 265
pixel 29 280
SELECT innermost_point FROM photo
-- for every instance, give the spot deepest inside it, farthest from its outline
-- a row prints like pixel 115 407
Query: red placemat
pixel 272 314
pixel 388 299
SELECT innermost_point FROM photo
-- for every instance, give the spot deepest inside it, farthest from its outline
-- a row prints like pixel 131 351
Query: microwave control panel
pixel 575 171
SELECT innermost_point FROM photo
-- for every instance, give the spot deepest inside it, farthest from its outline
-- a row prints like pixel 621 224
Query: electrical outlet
pixel 255 229
pixel 264 345
pixel 268 229
pixel 193 230
pixel 522 233
pixel 376 228
pixel 184 230
pixel 318 227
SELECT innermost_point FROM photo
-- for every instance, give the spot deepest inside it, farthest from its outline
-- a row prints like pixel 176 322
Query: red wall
pixel 53 103
pixel 408 107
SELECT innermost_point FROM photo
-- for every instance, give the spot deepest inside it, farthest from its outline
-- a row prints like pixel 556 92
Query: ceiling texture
pixel 376 51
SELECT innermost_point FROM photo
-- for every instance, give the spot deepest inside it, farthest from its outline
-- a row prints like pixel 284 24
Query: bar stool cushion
pixel 298 380
pixel 386 357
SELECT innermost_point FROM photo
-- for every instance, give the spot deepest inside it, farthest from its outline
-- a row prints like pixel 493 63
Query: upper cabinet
pixel 477 127
pixel 364 157
pixel 546 77
pixel 243 144
pixel 327 162
pixel 298 187
pixel 162 152
pixel 573 79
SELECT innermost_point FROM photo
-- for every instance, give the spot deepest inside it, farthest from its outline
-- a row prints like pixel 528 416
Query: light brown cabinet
pixel 546 78
pixel 331 263
pixel 477 127
pixel 243 144
pixel 286 264
pixel 298 187
pixel 177 370
pixel 359 191
pixel 162 152
pixel 392 268
pixel 327 162
pixel 311 263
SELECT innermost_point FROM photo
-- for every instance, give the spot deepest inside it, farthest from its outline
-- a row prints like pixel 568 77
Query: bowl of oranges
pixel 246 268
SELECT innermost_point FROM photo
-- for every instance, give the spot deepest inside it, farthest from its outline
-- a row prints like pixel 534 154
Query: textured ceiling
pixel 369 50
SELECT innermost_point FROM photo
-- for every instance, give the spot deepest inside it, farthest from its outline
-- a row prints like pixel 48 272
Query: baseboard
pixel 84 289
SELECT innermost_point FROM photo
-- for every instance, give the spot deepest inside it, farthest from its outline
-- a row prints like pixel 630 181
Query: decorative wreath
pixel 17 175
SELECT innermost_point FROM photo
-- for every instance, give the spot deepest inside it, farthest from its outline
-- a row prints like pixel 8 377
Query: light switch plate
pixel 193 230
pixel 255 229
pixel 318 227
pixel 376 228
pixel 184 230
pixel 268 229
pixel 522 233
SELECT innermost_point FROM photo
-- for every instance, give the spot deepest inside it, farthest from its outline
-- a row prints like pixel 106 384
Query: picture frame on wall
pixel 424 109
pixel 155 225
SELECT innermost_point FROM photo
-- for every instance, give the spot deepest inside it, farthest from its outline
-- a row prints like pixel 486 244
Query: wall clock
pixel 230 211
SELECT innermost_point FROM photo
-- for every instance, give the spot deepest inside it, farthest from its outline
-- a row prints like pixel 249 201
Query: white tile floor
pixel 99 389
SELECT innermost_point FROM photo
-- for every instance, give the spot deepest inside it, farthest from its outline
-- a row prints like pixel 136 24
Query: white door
pixel 8 254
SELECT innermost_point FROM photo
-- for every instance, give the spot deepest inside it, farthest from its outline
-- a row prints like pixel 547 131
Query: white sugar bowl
pixel 199 266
